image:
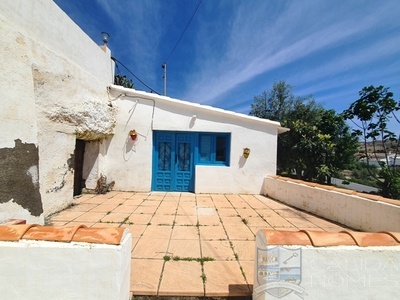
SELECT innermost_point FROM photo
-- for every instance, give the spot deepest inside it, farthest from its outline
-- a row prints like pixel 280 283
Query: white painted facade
pixel 129 163
pixel 59 89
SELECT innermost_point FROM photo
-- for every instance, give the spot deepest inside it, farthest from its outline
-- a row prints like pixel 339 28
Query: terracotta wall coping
pixel 339 190
pixel 328 239
pixel 66 234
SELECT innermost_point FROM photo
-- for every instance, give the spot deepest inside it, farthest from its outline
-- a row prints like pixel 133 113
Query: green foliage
pixel 371 115
pixel 389 186
pixel 364 174
pixel 123 81
pixel 319 142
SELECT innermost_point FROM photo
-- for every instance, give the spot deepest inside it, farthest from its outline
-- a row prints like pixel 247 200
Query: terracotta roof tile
pixel 109 235
pixel 395 235
pixel 10 233
pixel 328 239
pixel 364 239
pixel 50 233
pixel 80 233
pixel 324 239
pixel 280 237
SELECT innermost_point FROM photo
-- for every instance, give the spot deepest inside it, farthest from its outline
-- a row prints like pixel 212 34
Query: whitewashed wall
pixel 54 80
pixel 350 210
pixel 129 163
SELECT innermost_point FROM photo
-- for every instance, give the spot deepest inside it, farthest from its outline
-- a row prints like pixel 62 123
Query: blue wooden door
pixel 173 168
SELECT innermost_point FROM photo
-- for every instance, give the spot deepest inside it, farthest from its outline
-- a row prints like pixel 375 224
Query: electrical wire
pixel 116 60
pixel 187 25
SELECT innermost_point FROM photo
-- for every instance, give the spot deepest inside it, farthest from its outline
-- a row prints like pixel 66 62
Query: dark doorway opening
pixel 78 167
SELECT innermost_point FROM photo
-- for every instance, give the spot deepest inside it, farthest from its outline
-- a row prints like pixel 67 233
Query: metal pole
pixel 164 66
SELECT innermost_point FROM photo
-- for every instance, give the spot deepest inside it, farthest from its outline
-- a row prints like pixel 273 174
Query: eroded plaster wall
pixel 55 78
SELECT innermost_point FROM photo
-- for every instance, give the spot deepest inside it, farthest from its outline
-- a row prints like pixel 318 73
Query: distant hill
pixel 390 146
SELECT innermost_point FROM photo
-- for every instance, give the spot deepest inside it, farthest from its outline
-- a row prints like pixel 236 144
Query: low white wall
pixel 350 210
pixel 56 270
pixel 329 273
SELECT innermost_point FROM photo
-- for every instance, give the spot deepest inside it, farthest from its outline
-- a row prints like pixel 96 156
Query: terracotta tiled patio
pixel 189 244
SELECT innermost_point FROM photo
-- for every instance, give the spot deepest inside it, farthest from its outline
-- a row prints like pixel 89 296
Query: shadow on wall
pixel 242 161
pixel 130 147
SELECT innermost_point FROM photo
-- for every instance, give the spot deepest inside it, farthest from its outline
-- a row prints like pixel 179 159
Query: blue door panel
pixel 173 161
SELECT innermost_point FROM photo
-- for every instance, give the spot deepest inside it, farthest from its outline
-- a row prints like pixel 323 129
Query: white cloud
pixel 261 40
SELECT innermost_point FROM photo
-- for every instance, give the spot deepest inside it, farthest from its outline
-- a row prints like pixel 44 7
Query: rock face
pixel 93 120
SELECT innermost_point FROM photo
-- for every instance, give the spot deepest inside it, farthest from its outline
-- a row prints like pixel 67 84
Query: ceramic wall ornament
pixel 246 152
pixel 133 134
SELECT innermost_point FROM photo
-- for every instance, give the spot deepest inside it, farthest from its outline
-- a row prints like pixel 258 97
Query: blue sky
pixel 233 50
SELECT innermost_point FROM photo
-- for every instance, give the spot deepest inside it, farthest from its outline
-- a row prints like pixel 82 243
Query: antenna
pixel 164 66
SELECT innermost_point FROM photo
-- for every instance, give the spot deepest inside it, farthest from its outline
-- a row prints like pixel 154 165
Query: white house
pixel 182 146
pixel 64 123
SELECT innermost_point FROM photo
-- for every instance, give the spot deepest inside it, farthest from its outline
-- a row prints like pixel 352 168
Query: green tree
pixel 123 81
pixel 277 103
pixel 314 146
pixel 371 115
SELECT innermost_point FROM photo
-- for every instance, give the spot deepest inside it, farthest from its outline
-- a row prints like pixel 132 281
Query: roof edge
pixel 141 94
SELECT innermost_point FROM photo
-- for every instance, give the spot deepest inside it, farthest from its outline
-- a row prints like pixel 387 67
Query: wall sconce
pixel 105 36
pixel 246 152
pixel 133 134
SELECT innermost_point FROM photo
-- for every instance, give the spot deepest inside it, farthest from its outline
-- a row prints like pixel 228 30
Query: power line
pixel 116 60
pixel 187 25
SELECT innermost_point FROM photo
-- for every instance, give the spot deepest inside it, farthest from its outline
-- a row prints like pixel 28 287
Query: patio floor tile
pixel 67 215
pixel 140 218
pixel 90 217
pixel 150 248
pixel 189 226
pixel 160 219
pixel 181 278
pixel 184 249
pixel 224 279
pixel 239 232
pixel 115 217
pixel 244 250
pixel 145 276
pixel 218 250
pixel 185 232
pixel 136 230
pixel 183 220
pixel 105 207
pixel 212 233
pixel 157 232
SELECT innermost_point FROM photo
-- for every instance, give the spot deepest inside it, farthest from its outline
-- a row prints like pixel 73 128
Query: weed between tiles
pixel 201 260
